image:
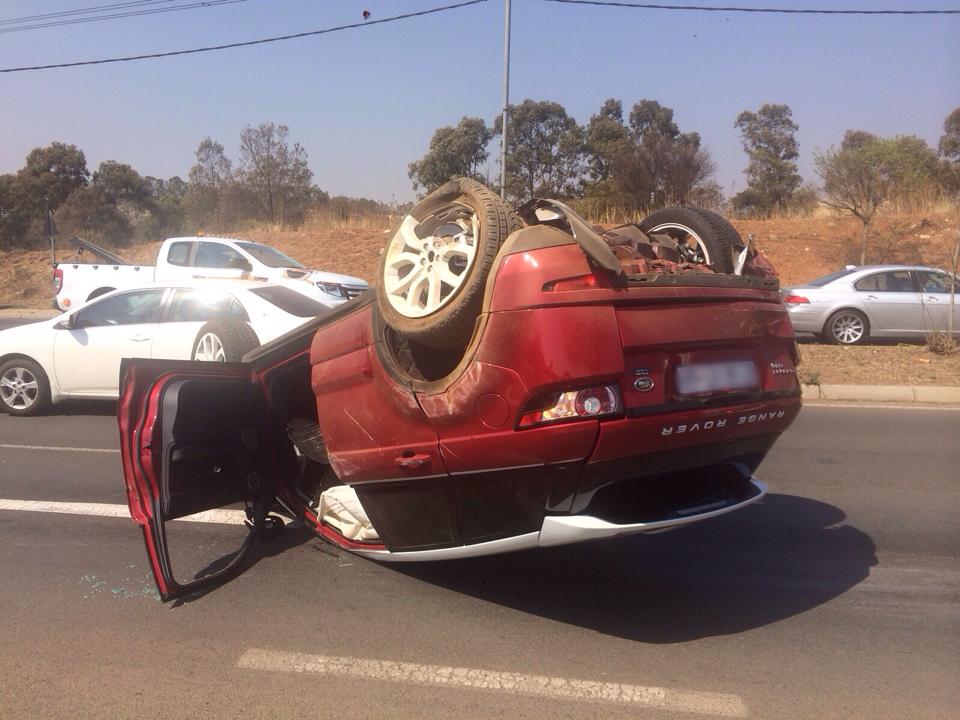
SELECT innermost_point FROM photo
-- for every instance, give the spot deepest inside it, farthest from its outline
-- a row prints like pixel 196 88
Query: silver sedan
pixel 851 305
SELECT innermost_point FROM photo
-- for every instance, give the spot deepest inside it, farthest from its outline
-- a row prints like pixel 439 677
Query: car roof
pixel 855 273
pixel 192 238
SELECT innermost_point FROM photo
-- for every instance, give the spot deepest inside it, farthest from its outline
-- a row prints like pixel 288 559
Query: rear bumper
pixel 806 318
pixel 569 529
pixel 566 529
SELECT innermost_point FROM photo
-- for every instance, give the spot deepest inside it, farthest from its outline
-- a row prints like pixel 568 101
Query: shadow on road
pixel 83 407
pixel 768 562
pixel 294 534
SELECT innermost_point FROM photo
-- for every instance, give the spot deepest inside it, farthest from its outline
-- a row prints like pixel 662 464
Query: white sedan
pixel 78 354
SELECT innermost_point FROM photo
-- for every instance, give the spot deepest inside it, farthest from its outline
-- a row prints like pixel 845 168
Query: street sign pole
pixel 506 98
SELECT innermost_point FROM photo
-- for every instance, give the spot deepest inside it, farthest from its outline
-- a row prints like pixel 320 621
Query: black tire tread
pixel 237 338
pixel 721 237
pixel 453 325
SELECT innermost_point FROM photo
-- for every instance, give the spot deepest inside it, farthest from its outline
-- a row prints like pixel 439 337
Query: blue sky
pixel 365 102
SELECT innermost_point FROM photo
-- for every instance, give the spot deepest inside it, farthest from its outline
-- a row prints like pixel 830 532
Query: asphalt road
pixel 837 597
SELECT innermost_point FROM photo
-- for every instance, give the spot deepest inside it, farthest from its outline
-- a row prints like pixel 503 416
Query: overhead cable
pixel 200 4
pixel 84 11
pixel 261 41
pixel 783 11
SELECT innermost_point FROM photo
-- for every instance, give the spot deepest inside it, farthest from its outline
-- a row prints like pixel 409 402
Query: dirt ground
pixel 900 364
pixel 800 248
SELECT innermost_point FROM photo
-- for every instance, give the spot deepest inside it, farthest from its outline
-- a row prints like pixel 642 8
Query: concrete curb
pixel 934 394
pixel 13 313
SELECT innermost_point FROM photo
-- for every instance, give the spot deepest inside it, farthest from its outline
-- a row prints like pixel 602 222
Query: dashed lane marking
pixel 224 517
pixel 541 686
pixel 6 446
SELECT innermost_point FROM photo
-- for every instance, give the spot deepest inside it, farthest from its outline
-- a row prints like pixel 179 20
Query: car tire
pixel 846 327
pixel 98 292
pixel 434 270
pixel 223 341
pixel 24 387
pixel 714 237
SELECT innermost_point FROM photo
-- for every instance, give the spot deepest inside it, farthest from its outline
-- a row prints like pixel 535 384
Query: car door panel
pixel 935 296
pixel 192 439
pixel 892 302
pixel 87 360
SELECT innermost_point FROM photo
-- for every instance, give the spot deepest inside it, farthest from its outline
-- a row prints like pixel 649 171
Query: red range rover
pixel 518 379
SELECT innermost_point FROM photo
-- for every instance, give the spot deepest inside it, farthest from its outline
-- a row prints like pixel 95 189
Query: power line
pixel 132 13
pixel 83 11
pixel 783 11
pixel 261 41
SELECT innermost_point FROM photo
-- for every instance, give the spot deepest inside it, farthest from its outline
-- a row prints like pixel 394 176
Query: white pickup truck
pixel 186 258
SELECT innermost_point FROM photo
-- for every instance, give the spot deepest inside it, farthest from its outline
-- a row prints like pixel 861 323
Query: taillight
pixel 592 402
pixel 795 300
pixel 581 282
pixel 57 279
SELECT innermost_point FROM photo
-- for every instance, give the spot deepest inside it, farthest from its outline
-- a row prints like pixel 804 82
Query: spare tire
pixel 703 237
pixel 224 341
pixel 434 270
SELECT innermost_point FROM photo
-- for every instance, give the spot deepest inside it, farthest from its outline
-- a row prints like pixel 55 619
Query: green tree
pixel 606 139
pixel 544 150
pixel 868 172
pixel 648 164
pixel 210 181
pixel 274 173
pixel 51 173
pixel 949 147
pixel 950 140
pixel 454 152
pixel 122 182
pixel 769 139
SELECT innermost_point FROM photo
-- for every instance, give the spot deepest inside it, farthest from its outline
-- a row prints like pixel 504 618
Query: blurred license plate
pixel 716 377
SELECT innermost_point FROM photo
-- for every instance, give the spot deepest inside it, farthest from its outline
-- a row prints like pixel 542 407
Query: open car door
pixel 192 439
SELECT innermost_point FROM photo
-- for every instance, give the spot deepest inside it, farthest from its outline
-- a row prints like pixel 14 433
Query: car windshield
pixel 290 301
pixel 271 257
pixel 821 281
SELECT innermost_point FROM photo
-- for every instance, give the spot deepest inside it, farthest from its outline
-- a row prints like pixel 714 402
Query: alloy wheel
pixel 19 388
pixel 210 349
pixel 689 243
pixel 847 328
pixel 428 262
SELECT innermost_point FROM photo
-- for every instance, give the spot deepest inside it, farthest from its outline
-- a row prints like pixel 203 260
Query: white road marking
pixel 224 517
pixel 58 449
pixel 544 686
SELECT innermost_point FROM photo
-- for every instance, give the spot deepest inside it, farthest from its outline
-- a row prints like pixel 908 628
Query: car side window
pixel 131 308
pixel 195 305
pixel 217 255
pixel 179 253
pixel 934 282
pixel 867 283
pixel 890 281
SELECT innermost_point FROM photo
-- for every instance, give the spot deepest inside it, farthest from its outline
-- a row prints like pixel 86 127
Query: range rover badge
pixel 642 382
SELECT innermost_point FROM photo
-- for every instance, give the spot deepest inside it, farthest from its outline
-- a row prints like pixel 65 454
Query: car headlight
pixel 335 289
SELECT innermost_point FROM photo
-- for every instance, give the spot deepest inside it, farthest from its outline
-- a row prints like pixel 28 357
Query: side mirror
pixel 68 323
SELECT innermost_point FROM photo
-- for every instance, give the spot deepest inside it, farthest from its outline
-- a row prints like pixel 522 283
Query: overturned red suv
pixel 518 379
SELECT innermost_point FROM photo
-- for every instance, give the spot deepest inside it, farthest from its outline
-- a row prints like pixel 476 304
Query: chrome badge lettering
pixel 707 425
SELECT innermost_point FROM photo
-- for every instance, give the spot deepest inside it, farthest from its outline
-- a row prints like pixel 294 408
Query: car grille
pixel 353 291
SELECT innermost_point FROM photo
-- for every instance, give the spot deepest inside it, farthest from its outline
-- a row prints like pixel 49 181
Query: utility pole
pixel 506 98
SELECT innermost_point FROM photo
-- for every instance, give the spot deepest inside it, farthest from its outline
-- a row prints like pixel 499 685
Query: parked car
pixel 511 384
pixel 77 354
pixel 188 258
pixel 882 301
